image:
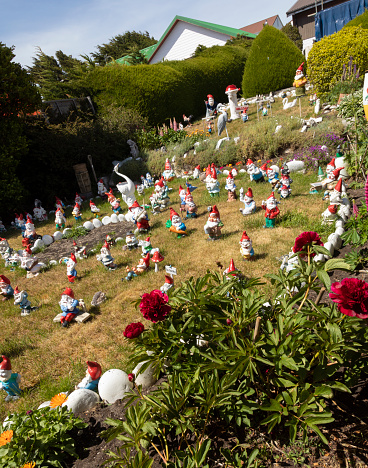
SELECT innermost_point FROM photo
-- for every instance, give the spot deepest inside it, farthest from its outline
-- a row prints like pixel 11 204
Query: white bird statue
pixel 221 121
pixel 288 105
pixel 317 107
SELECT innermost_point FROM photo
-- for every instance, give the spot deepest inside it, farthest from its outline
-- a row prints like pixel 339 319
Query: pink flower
pixel 154 306
pixel 133 330
pixel 304 239
pixel 355 210
pixel 351 297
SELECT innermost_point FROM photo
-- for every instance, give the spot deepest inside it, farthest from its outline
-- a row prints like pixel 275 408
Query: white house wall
pixel 183 40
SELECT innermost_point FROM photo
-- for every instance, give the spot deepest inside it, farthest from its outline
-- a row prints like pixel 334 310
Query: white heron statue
pixel 221 121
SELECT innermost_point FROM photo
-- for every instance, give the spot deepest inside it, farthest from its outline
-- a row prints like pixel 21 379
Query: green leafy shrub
pixel 361 20
pixel 272 62
pixel 328 56
pixel 356 228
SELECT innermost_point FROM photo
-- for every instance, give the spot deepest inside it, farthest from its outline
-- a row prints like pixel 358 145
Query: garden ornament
pixel 126 188
pixel 244 115
pixel 232 92
pixel 19 222
pixel 29 232
pixel 190 206
pixel 6 289
pixel 60 219
pixel 246 248
pixel 143 264
pixel 93 374
pixel 77 213
pixel 149 180
pixel 21 299
pixel 59 205
pixel 284 191
pixel 101 189
pixel 139 216
pixel 134 151
pixel 168 173
pixel 70 268
pixel 131 241
pixel 98 298
pixel 69 307
pixel 221 121
pixel 320 174
pixel 182 193
pixel 211 106
pixel 156 259
pixel 264 170
pixel 78 199
pixel 94 210
pixel 212 184
pixel 272 176
pixel 271 211
pixel 299 81
pixel 29 263
pixel 2 227
pixel 213 225
pixel 80 252
pixel 230 187
pixel 340 199
pixel 196 172
pixel 169 283
pixel 265 111
pixel 175 224
pixel 9 381
pixel 330 167
pixel 254 172
pixel 288 105
pixel 330 215
pixel 39 212
pixel 106 258
pixel 328 184
pixel 114 202
pixel 231 271
pixel 147 247
pixel 249 203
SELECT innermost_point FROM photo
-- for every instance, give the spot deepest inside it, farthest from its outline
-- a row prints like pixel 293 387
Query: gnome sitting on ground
pixel 68 305
pixel 93 374
pixel 5 288
pixel 330 215
pixel 249 203
pixel 29 232
pixel 271 211
pixel 254 172
pixel 175 224
pixel 169 283
pixel 246 248
pixel 9 381
pixel 284 191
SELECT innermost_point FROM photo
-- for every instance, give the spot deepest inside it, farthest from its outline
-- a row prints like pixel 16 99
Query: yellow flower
pixel 29 465
pixel 6 437
pixel 58 400
pixel 259 160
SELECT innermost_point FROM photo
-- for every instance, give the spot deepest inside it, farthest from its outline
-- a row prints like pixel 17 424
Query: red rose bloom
pixel 154 306
pixel 133 330
pixel 305 239
pixel 351 297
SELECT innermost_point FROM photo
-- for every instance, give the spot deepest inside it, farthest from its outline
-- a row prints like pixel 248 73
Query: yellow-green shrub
pixel 327 57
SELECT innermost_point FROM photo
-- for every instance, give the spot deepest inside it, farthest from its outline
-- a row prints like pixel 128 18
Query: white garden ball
pixel 97 223
pixel 88 225
pixel 146 378
pixel 242 171
pixel 41 265
pixel 44 404
pixel 113 385
pixel 57 235
pixel 340 231
pixel 81 400
pixel 339 223
pixel 329 247
pixel 114 218
pixel 225 172
pixel 53 262
pixel 295 166
pixel 335 240
pixel 119 239
pixel 129 217
pixel 66 230
pixel 106 220
pixel 275 168
pixel 47 240
pixel 121 217
pixel 37 245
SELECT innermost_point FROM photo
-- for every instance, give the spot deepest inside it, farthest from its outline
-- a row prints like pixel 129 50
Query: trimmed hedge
pixel 361 20
pixel 272 62
pixel 327 57
pixel 171 88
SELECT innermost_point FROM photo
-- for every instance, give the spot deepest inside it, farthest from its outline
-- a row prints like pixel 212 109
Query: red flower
pixel 305 239
pixel 154 306
pixel 133 330
pixel 351 297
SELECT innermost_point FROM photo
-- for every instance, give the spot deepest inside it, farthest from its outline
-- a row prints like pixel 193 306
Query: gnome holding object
pixel 29 263
pixel 147 247
pixel 230 187
pixel 70 268
pixel 131 241
pixel 80 252
pixel 93 374
pixel 21 299
pixel 169 283
pixel 140 217
pixel 273 178
pixel 77 213
pixel 29 232
pixel 255 174
pixel 143 264
pixel 211 106
pixel 330 167
pixel 5 288
pixel 175 224
pixel 299 81
pixel 59 219
pixel 190 206
pixel 68 305
pixel 249 203
pixel 114 202
pixel 168 173
pixel 329 183
pixel 39 212
pixel 246 248
pixel 213 225
pixel 196 172
pixel 101 189
pixel 9 381
pixel 106 258
pixel 271 211
pixel 59 205
pixel 94 210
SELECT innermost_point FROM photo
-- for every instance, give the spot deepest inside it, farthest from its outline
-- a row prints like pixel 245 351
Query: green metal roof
pixel 148 52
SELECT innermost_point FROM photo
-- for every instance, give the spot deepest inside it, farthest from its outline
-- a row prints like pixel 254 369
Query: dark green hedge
pixel 272 62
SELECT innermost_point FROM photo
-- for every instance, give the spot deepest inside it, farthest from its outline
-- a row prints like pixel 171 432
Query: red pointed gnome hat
pixel 271 196
pixel 16 290
pixel 284 187
pixel 231 268
pixel 160 183
pixel 94 369
pixel 332 209
pixel 167 165
pixel 208 170
pixel 20 216
pixel 249 162
pixel 91 203
pixel 338 186
pixel 68 292
pixel 101 181
pixel 180 189
pixel 244 236
pixel 28 219
pixel 148 239
pixel 107 245
pixel 74 243
pixel 264 167
pixel 198 167
pixel 5 363
pixel 173 213
pixel 189 193
pixel 249 193
pixel 209 96
pixel 230 176
pixel 232 87
pixel 215 211
pixel 213 173
pixel 4 279
pixel 169 280
pixel 332 162
pixel 146 259
pixel 336 172
pixel 72 256
pixel 135 205
pixel 110 195
pixel 300 68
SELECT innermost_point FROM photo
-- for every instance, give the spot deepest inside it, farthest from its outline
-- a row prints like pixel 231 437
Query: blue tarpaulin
pixel 329 21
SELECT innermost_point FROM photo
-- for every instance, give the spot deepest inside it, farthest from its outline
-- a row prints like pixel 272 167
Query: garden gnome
pixel 131 273
pixel 68 305
pixel 5 288
pixel 330 167
pixel 147 247
pixel 213 225
pixel 182 194
pixel 264 170
pixel 190 206
pixel 342 202
pixel 93 374
pixel 19 222
pixel 94 210
pixel 271 211
pixel 175 224
pixel 249 203
pixel 77 213
pixel 114 202
pixel 101 189
pixel 59 205
pixel 329 183
pixel 254 172
pixel 330 215
pixel 168 173
pixel 70 268
pixel 231 92
pixel 29 232
pixel 196 172
pixel 78 199
pixel 211 106
pixel 244 115
pixel 231 272
pixel 286 180
pixel 140 217
pixel 149 179
pixel 143 264
pixel 273 178
pixel 80 252
pixel 2 227
pixel 230 187
pixel 29 263
pixel 299 81
pixel 169 283
pixel 9 381
pixel 264 111
pixel 212 184
pixel 21 299
pixel 284 191
pixel 39 212
pixel 106 258
pixel 320 175
pixel 59 219
pixel 246 248
pixel 131 241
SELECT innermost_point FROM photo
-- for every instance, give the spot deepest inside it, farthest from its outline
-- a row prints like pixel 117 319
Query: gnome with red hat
pixel 168 173
pixel 60 219
pixel 78 199
pixel 330 215
pixel 169 283
pixel 9 381
pixel 175 224
pixel 249 203
pixel 106 258
pixel 254 172
pixel 230 187
pixel 114 202
pixel 39 212
pixel 101 189
pixel 246 248
pixel 143 264
pixel 29 232
pixel 70 268
pixel 147 247
pixel 69 307
pixel 212 184
pixel 271 211
pixel 284 191
pixel 93 374
pixel 182 194
pixel 5 288
pixel 231 271
pixel 77 212
pixel 213 225
pixel 190 206
pixel 94 210
pixel 140 217
pixel 340 199
pixel 131 241
pixel 211 106
pixel 329 183
pixel 30 263
pixel 299 81
pixel 21 299
pixel 196 172
pixel 59 205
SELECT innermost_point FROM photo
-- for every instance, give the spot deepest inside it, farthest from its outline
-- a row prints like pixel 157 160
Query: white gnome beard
pixel 5 375
pixel 211 101
pixel 66 301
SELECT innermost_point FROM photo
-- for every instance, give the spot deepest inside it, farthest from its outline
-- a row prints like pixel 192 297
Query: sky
pixel 77 26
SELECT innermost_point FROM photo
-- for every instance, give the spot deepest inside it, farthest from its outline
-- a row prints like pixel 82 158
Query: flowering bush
pixel 305 241
pixel 313 157
pixel 133 330
pixel 154 306
pixel 351 297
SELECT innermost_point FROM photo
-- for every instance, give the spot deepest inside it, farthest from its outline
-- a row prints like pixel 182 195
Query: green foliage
pixel 331 53
pixel 357 258
pixel 349 83
pixel 361 20
pixel 42 436
pixel 76 231
pixel 199 49
pixel 293 34
pixel 151 139
pixel 272 62
pixel 356 228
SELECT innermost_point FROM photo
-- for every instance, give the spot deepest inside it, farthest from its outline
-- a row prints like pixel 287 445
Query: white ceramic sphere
pixel 329 246
pixel 53 262
pixel 119 239
pixel 242 171
pixel 37 245
pixel 335 240
pixel 106 220
pixel 113 385
pixel 275 168
pixel 47 240
pixel 88 225
pixel 225 172
pixel 146 378
pixel 340 230
pixel 97 223
pixel 121 217
pixel 114 218
pixel 129 217
pixel 295 166
pixel 57 235
pixel 81 400
pixel 66 230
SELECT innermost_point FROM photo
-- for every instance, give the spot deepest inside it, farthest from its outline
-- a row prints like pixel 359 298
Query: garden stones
pixel 88 225
pixel 96 223
pixel 81 400
pixel 47 239
pixel 106 220
pixel 57 235
pixel 114 218
pixel 113 385
pixel 146 378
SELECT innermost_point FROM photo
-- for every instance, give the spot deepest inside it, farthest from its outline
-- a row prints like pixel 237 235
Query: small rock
pixel 113 385
pixel 97 223
pixel 88 225
pixel 57 235
pixel 81 400
pixel 47 240
pixel 106 220
pixel 121 217
pixel 114 218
